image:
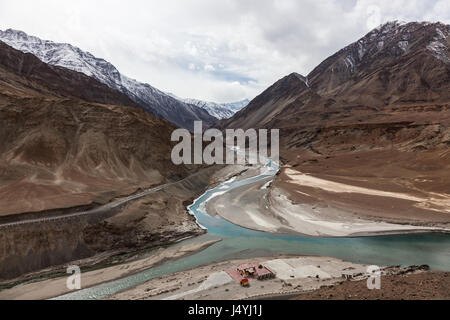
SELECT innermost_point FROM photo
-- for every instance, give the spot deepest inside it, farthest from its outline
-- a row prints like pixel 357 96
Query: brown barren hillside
pixel 415 286
pixel 375 114
pixel 65 141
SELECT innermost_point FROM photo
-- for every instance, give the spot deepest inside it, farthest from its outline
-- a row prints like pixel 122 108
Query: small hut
pixel 247 270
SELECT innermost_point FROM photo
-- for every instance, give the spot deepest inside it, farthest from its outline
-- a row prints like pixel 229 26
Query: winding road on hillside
pixel 101 209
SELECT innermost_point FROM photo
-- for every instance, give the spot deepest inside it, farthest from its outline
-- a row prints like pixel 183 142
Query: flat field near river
pixel 293 274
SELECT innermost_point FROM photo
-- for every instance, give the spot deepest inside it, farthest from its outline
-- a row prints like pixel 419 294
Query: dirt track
pixel 101 209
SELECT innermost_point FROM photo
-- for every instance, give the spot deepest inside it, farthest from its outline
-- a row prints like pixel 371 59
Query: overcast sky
pixel 214 50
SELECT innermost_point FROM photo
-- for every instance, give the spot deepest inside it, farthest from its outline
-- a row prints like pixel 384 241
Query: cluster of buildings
pixel 248 271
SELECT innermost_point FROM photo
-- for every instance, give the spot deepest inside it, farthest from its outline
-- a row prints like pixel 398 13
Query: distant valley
pixel 178 111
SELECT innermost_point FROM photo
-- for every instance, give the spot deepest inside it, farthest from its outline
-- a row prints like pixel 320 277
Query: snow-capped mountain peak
pixel 388 42
pixel 63 55
pixel 218 110
pixel 73 58
pixel 396 38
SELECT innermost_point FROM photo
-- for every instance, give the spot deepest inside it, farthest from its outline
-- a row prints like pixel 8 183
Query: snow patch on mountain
pixel 302 78
pixel 403 45
pixel 439 46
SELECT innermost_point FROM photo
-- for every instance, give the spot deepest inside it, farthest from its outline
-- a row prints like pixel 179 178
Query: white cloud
pixel 209 67
pixel 214 50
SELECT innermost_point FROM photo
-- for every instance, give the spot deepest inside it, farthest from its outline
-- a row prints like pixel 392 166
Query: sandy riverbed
pixel 270 209
pixel 55 287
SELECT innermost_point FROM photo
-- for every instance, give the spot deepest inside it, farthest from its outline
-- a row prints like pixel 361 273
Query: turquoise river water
pixel 238 242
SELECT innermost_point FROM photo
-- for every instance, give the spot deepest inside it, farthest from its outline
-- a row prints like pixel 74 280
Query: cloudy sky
pixel 209 49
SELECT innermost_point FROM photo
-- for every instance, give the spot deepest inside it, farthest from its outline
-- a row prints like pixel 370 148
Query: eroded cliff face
pixel 39 246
